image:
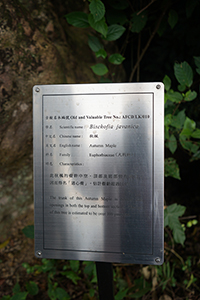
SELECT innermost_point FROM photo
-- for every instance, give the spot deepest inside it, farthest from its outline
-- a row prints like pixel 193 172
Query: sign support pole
pixel 105 280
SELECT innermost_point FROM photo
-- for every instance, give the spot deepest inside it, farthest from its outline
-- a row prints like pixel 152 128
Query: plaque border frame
pixel 157 88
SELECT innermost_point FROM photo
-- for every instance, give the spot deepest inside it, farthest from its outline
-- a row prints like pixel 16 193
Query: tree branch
pixel 147 44
pixel 139 12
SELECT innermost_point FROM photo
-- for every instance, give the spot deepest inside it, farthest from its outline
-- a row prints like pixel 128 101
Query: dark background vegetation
pixel 38 46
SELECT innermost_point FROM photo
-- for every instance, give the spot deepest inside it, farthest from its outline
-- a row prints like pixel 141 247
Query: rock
pixel 37 47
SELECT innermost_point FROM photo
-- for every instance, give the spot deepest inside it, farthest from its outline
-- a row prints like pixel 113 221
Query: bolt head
pixel 158 86
pixel 39 253
pixel 37 89
pixel 157 259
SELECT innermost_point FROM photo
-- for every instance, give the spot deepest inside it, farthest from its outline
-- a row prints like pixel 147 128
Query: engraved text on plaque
pixel 98 159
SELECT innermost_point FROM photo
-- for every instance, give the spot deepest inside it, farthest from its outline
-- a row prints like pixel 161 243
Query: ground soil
pixel 16 250
pixel 19 249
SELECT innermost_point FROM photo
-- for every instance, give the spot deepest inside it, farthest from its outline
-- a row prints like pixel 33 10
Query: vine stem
pixel 189 217
pixel 177 106
pixel 147 44
pixel 131 5
pixel 176 254
pixel 169 233
pixel 139 12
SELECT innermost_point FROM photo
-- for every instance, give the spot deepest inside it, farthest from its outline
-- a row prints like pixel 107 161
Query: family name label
pixel 99 172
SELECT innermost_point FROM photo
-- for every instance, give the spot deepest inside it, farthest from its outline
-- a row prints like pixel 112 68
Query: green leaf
pixel 94 43
pixel 94 279
pixel 74 264
pixel 99 69
pixel 91 292
pixel 115 31
pixel 28 231
pixel 51 290
pixel 196 134
pixel 20 296
pixel 174 96
pixel 171 168
pixel 99 26
pixel 167 82
pixel 32 288
pixel 181 88
pixel 189 96
pixel 97 9
pixel 89 268
pixel 47 265
pixel 195 148
pixel 77 19
pixel 186 133
pixel 187 144
pixel 168 119
pixel 178 233
pixel 195 156
pixel 72 276
pixel 178 120
pixel 141 292
pixel 138 21
pixel 166 129
pixel 61 294
pixel 183 73
pixel 29 269
pixel 171 215
pixel 121 294
pixel 189 124
pixel 172 144
pixel 116 59
pixel 197 63
pixel 172 18
pixel 118 4
pixel 101 53
pixel 166 100
pixel 6 297
pixel 16 288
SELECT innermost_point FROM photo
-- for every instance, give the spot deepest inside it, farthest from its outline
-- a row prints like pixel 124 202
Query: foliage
pixel 29 231
pixel 96 20
pixel 109 22
pixel 125 23
pixel 174 59
pixel 180 130
pixel 31 288
pixel 74 271
pixel 166 275
pixel 50 268
pixel 171 219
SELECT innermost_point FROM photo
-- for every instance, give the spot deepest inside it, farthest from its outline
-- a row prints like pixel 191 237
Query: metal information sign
pixel 99 172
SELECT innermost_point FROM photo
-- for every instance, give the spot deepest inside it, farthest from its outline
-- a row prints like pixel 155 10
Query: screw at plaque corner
pixel 158 86
pixel 157 259
pixel 37 89
pixel 39 253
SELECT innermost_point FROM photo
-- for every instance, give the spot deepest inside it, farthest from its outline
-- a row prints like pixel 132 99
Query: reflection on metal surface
pixel 98 170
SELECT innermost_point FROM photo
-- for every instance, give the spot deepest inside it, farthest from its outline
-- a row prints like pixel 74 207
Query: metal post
pixel 105 280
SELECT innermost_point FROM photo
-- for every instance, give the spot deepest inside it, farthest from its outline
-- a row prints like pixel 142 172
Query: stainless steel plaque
pixel 98 172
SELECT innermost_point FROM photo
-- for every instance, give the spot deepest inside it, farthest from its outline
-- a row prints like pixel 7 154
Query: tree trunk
pixel 37 47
